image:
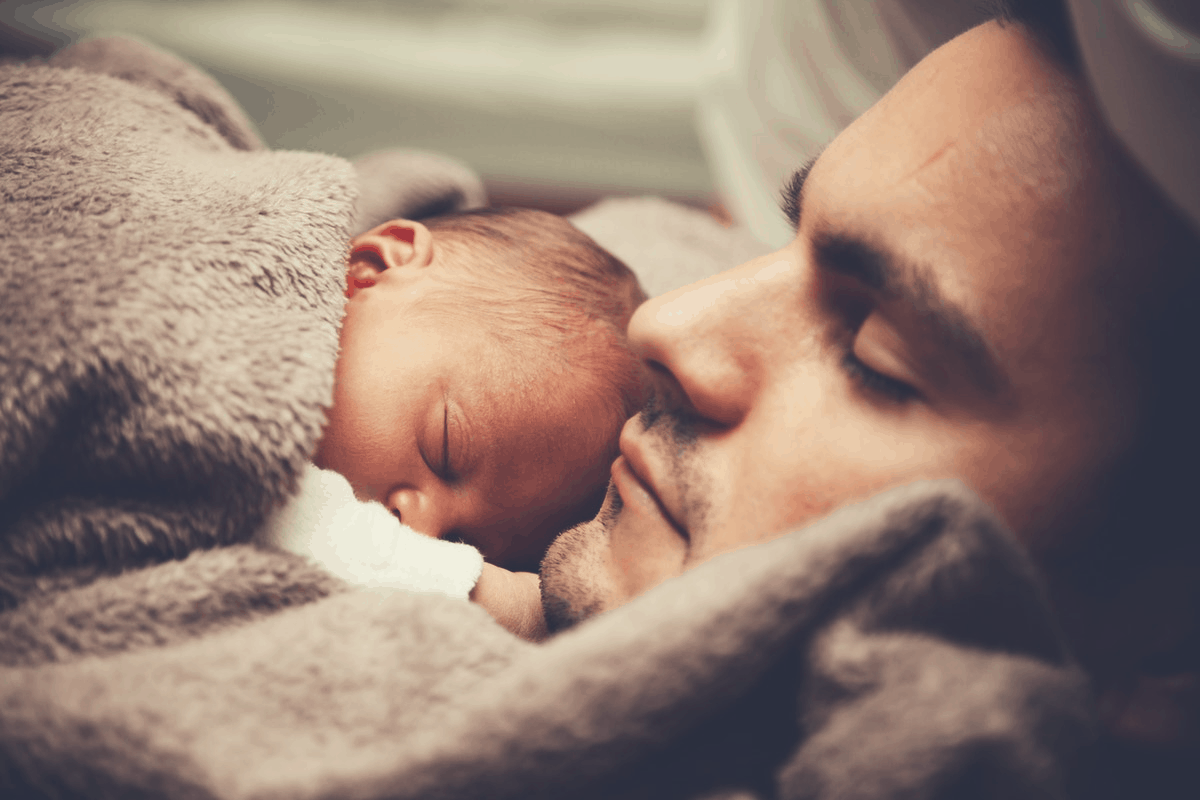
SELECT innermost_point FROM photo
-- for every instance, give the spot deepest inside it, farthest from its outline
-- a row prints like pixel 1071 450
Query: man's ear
pixel 397 244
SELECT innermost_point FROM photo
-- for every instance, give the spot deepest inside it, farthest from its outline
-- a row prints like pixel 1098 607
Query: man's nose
pixel 704 341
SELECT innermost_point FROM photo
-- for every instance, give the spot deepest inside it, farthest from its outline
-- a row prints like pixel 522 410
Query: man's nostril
pixel 669 404
pixel 665 392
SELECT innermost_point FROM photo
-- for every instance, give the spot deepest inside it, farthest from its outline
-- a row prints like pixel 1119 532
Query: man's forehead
pixel 1036 147
pixel 971 167
pixel 983 91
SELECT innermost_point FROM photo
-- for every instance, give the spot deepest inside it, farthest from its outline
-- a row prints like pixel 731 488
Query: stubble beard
pixel 576 574
pixel 577 577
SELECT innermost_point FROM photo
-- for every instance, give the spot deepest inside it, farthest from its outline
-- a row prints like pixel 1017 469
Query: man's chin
pixel 576 573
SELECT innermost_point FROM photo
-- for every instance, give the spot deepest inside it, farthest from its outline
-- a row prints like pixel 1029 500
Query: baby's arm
pixel 514 599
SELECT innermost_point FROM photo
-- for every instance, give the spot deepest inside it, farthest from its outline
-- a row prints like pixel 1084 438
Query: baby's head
pixel 483 377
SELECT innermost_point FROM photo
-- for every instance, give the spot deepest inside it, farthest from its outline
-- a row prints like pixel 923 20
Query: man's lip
pixel 623 469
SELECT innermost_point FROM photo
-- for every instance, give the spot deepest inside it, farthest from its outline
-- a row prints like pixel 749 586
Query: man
pixel 981 286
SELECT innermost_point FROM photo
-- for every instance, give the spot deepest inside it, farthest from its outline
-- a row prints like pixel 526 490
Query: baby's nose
pixel 415 509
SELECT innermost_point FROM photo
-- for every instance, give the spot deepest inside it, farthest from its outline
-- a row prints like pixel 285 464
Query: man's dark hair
pixel 1048 20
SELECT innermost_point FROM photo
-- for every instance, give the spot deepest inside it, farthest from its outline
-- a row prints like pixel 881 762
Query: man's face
pixel 428 419
pixel 946 309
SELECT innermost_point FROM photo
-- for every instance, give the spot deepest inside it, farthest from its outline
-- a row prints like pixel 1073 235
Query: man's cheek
pixel 577 576
pixel 796 487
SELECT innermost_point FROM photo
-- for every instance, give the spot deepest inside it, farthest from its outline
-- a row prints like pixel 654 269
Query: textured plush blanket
pixel 171 299
pixel 169 302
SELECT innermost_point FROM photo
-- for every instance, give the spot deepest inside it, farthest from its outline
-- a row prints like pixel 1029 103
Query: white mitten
pixel 362 543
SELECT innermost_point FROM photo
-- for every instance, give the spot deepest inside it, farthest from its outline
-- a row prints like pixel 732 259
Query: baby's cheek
pixel 517 541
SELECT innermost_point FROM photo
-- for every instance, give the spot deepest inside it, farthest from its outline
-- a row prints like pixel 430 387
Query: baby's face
pixel 427 420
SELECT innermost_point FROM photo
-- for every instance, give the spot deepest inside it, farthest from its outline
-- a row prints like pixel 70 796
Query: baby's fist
pixel 514 599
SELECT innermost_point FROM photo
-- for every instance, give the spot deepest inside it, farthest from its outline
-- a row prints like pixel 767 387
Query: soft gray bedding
pixel 171 293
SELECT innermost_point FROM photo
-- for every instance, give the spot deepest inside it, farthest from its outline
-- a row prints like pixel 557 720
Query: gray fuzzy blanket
pixel 169 300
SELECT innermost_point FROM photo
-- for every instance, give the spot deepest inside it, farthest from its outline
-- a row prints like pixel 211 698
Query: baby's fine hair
pixel 547 291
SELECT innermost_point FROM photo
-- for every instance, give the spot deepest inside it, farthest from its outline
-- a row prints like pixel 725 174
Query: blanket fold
pixel 169 329
pixel 170 295
pixel 773 671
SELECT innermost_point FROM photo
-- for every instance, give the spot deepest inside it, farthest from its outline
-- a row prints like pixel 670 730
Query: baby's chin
pixel 576 574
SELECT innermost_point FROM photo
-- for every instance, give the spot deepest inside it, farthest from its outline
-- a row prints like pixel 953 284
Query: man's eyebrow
pixel 886 273
pixel 791 195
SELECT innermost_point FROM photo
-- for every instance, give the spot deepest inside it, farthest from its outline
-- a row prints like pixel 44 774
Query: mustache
pixel 669 420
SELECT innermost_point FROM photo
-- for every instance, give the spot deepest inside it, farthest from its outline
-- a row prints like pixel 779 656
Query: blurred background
pixel 557 103
pixel 554 102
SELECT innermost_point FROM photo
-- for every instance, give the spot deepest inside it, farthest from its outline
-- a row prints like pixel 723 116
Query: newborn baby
pixel 481 387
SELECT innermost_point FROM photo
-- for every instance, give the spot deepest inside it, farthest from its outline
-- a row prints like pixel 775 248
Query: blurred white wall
pixel 783 77
pixel 553 102
pixel 581 96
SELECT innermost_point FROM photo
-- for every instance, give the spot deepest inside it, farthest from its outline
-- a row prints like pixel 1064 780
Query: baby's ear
pixel 394 244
